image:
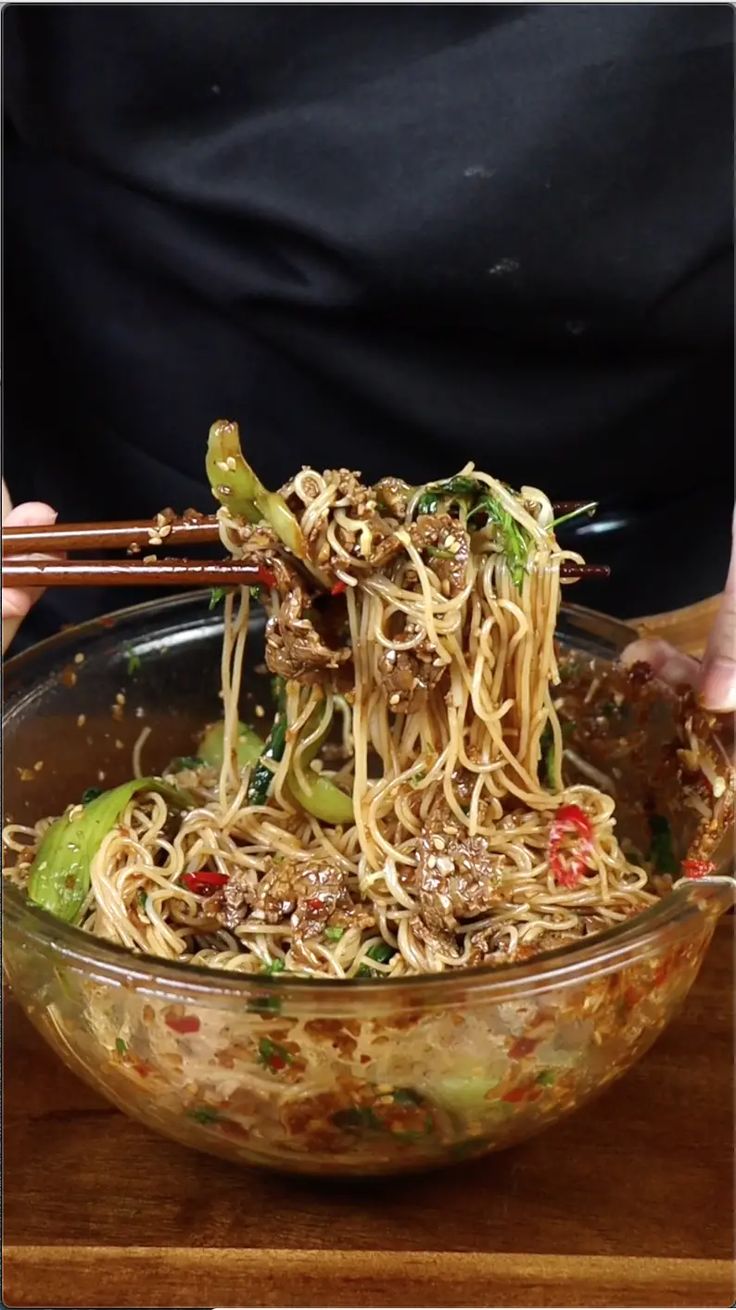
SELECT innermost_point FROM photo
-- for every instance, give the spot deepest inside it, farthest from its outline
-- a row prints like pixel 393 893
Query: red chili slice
pixel 698 868
pixel 516 1094
pixel 315 904
pixel 204 883
pixel 339 588
pixel 569 821
pixel 188 1023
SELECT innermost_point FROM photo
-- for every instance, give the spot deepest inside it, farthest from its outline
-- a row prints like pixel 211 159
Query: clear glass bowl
pixel 307 1077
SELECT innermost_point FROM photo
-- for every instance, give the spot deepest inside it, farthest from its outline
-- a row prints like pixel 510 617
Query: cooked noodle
pixel 455 855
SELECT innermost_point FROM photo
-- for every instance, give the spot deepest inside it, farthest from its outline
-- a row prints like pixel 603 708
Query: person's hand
pixel 18 600
pixel 715 678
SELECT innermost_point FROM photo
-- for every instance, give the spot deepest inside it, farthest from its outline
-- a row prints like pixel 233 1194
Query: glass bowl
pixel 326 1077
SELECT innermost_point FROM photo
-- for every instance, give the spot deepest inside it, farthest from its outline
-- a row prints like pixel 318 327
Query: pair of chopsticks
pixel 150 570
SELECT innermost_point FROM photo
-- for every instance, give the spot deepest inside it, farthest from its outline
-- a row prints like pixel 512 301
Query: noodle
pixel 458 852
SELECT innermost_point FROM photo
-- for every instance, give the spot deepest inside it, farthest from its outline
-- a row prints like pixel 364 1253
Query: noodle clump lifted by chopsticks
pixel 406 813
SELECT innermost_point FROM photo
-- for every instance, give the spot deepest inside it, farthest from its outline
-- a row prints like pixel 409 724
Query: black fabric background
pixel 388 237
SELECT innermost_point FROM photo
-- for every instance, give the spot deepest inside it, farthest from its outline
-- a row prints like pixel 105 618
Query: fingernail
pixel 719 686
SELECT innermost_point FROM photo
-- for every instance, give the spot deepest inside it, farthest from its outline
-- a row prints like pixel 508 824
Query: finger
pixel 667 663
pixel 718 687
pixel 16 601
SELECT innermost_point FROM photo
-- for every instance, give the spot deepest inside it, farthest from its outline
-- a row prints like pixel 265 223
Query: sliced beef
pixel 446 545
pixel 307 895
pixel 294 646
pixel 456 878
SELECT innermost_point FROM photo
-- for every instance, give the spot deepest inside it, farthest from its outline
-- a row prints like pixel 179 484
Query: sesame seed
pixel 222 464
pixel 164 530
pixel 81 720
pixel 119 744
pixel 431 861
pixel 38 766
pixel 79 658
pixel 154 539
pixel 149 559
pixel 394 700
pixel 231 463
pixel 120 697
pixel 444 864
pixel 438 843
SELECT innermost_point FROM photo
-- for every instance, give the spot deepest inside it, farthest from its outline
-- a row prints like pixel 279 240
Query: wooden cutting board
pixel 628 1203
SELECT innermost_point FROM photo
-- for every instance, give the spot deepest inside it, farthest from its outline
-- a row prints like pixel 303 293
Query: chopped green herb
pixel 588 510
pixel 121 1046
pixel 142 898
pixel 265 1005
pixel 91 794
pixel 381 952
pixel 134 662
pixel 255 593
pixel 276 966
pixel 661 850
pixel 546 1078
pixel 217 594
pixel 204 1115
pixel 334 934
pixel 273 1055
pixel 185 762
pixel 457 488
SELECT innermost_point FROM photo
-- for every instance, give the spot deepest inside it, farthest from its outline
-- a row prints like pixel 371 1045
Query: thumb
pixel 718 685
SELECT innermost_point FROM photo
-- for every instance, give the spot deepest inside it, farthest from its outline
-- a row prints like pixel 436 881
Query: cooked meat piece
pixel 447 547
pixel 456 878
pixel 437 940
pixel 306 894
pixel 294 647
pixel 408 675
pixel 394 494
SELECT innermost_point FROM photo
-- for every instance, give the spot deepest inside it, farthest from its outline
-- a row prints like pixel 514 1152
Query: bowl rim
pixel 624 943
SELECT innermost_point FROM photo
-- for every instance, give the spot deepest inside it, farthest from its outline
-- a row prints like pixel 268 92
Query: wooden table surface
pixel 628 1203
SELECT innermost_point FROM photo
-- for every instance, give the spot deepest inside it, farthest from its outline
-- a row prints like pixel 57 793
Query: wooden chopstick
pixel 109 536
pixel 138 533
pixel 151 571
pixel 171 573
pixel 130 573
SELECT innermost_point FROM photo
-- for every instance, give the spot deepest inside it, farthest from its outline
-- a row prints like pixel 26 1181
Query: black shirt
pixel 392 238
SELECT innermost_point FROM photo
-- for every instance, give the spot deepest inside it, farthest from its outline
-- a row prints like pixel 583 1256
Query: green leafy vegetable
pixel 204 1115
pixel 546 1078
pixel 185 762
pixel 513 539
pixel 134 662
pixel 273 1055
pixel 60 873
pixel 276 966
pixel 217 595
pixel 235 484
pixel 249 746
pixel 316 794
pixel 662 851
pixel 464 1094
pixel 334 934
pixel 121 1046
pixel 457 488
